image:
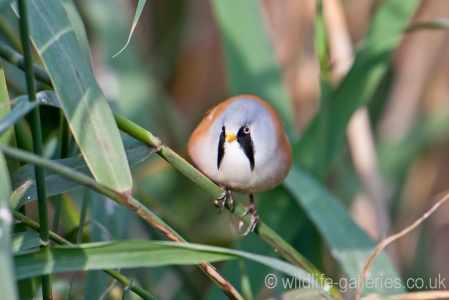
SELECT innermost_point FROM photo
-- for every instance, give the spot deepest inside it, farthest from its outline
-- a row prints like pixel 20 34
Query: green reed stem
pixel 37 138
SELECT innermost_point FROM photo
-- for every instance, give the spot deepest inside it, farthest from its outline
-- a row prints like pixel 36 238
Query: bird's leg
pixel 254 218
pixel 226 196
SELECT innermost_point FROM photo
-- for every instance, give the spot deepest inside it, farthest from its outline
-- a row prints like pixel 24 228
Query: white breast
pixel 235 172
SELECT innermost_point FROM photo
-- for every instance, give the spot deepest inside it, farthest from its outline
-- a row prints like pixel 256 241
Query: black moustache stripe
pixel 221 149
pixel 246 143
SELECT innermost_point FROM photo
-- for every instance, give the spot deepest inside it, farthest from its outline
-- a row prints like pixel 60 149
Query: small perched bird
pixel 241 144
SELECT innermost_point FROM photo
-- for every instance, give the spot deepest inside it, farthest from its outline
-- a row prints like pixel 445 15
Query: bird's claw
pixel 254 218
pixel 226 197
pixel 252 224
pixel 219 202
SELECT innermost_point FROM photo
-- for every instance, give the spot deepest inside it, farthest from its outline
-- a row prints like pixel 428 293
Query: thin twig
pixel 393 238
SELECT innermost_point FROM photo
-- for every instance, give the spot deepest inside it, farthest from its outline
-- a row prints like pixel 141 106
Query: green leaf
pixel 7 273
pixel 22 106
pixel 349 245
pixel 249 54
pixel 6 132
pixel 24 241
pixel 88 113
pixel 137 254
pixel 78 25
pixel 142 96
pixel 328 130
pixel 21 109
pixel 139 9
pixel 24 184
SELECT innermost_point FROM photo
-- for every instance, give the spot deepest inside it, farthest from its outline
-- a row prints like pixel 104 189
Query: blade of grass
pixel 7 273
pixel 64 145
pixel 23 105
pixel 84 205
pixel 82 100
pixel 24 184
pixel 24 241
pixel 17 60
pixel 321 41
pixel 349 245
pixel 139 9
pixel 245 281
pixel 21 109
pixel 78 25
pixel 106 227
pixel 142 95
pixel 6 136
pixel 64 171
pixel 327 130
pixel 139 253
pixel 37 137
pixel 56 238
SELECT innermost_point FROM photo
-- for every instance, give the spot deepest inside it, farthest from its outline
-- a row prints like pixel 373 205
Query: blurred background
pixel 393 166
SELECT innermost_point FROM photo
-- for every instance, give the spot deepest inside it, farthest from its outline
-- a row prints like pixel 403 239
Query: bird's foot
pixel 254 217
pixel 226 197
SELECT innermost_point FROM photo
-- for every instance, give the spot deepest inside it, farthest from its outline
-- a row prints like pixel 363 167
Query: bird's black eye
pixel 246 129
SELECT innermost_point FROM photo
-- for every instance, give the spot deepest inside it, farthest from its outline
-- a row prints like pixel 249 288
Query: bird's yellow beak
pixel 230 138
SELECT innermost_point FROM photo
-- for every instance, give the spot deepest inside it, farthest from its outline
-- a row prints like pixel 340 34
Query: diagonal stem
pixel 37 138
pixel 263 230
pixel 18 60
